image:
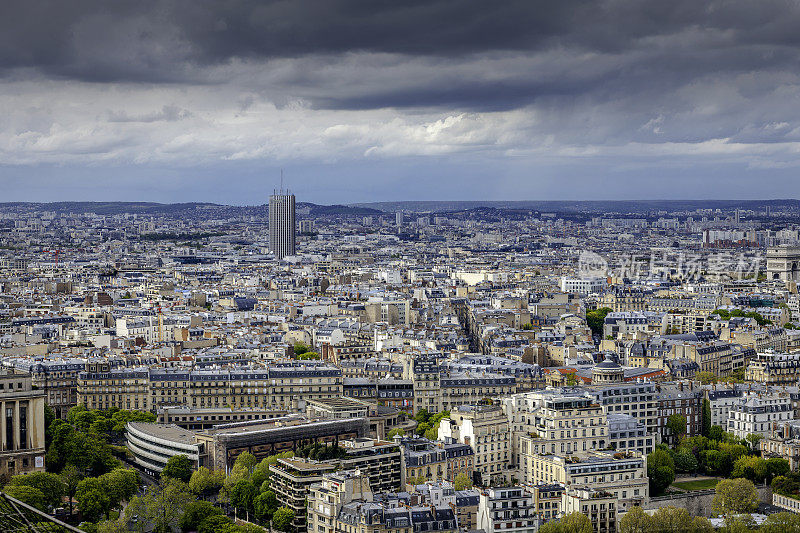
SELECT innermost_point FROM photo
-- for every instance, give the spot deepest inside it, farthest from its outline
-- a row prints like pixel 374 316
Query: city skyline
pixel 195 101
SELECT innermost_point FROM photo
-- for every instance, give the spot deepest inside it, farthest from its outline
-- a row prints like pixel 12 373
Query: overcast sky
pixel 193 100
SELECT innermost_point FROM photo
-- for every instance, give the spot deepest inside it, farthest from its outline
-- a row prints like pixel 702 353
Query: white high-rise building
pixel 398 218
pixel 282 224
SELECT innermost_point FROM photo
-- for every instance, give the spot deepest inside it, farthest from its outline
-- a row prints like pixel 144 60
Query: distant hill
pixel 341 210
pixel 110 208
pixel 194 208
pixel 589 206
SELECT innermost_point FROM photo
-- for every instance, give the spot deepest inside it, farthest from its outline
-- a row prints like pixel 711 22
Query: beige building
pixel 783 442
pixel 774 369
pixel 485 429
pixel 22 428
pixel 624 300
pixel 288 387
pixel 624 475
pixel 600 506
pixel 552 423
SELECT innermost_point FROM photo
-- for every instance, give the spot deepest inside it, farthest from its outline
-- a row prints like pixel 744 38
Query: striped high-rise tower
pixel 281 224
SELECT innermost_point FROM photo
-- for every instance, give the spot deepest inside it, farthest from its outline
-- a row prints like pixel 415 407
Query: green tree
pixel 701 524
pixel 422 416
pixel 776 466
pixel 28 494
pixel 396 431
pixel 738 524
pixel 195 513
pixel 676 424
pixel 242 495
pixel 179 467
pixel 113 526
pixel 570 523
pixel 671 519
pixel 716 433
pixel 216 524
pixel 706 418
pixel 260 473
pixel 49 484
pixel 162 505
pixel 300 348
pixel 753 468
pixel 308 356
pixel 781 523
pixel 706 378
pixel 119 485
pixel 753 439
pixel 205 482
pixel 462 482
pixel 685 462
pixel 282 519
pixel 265 505
pixel 661 471
pixel 247 461
pixel 93 501
pixel 635 521
pixel 423 428
pixel 70 477
pixel 595 319
pixel 735 496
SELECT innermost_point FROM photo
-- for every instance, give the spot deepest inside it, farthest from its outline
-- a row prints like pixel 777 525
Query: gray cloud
pixel 629 85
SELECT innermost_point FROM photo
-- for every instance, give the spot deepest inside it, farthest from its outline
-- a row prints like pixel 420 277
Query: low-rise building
pixel 152 445
pixel 622 474
pixel 599 505
pixel 757 413
pixel 344 503
pixel 507 509
pixel 436 461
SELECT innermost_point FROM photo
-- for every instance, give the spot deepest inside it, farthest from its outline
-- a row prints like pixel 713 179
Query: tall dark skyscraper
pixel 281 224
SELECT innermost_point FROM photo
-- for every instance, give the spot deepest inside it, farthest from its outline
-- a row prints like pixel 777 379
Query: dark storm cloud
pixel 644 43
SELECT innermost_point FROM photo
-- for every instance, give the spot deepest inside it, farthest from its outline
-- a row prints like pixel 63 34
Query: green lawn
pixel 702 484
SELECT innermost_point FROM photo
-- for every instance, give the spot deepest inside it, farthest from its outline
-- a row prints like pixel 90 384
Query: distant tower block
pixel 282 234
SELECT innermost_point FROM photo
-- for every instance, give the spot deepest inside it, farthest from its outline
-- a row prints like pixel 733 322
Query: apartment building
pixel 624 475
pixel 547 500
pixel 757 413
pixel 783 442
pixel 565 425
pixel 436 461
pixel 507 509
pixel 635 398
pixel 679 399
pixel 625 433
pixel 344 503
pixel 437 389
pixel 58 379
pixel 621 300
pixel 291 480
pixel 485 429
pixel 772 368
pixel 286 387
pixel 599 505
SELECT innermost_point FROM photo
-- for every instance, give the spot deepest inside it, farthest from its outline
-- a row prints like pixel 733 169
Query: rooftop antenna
pixel 281 181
